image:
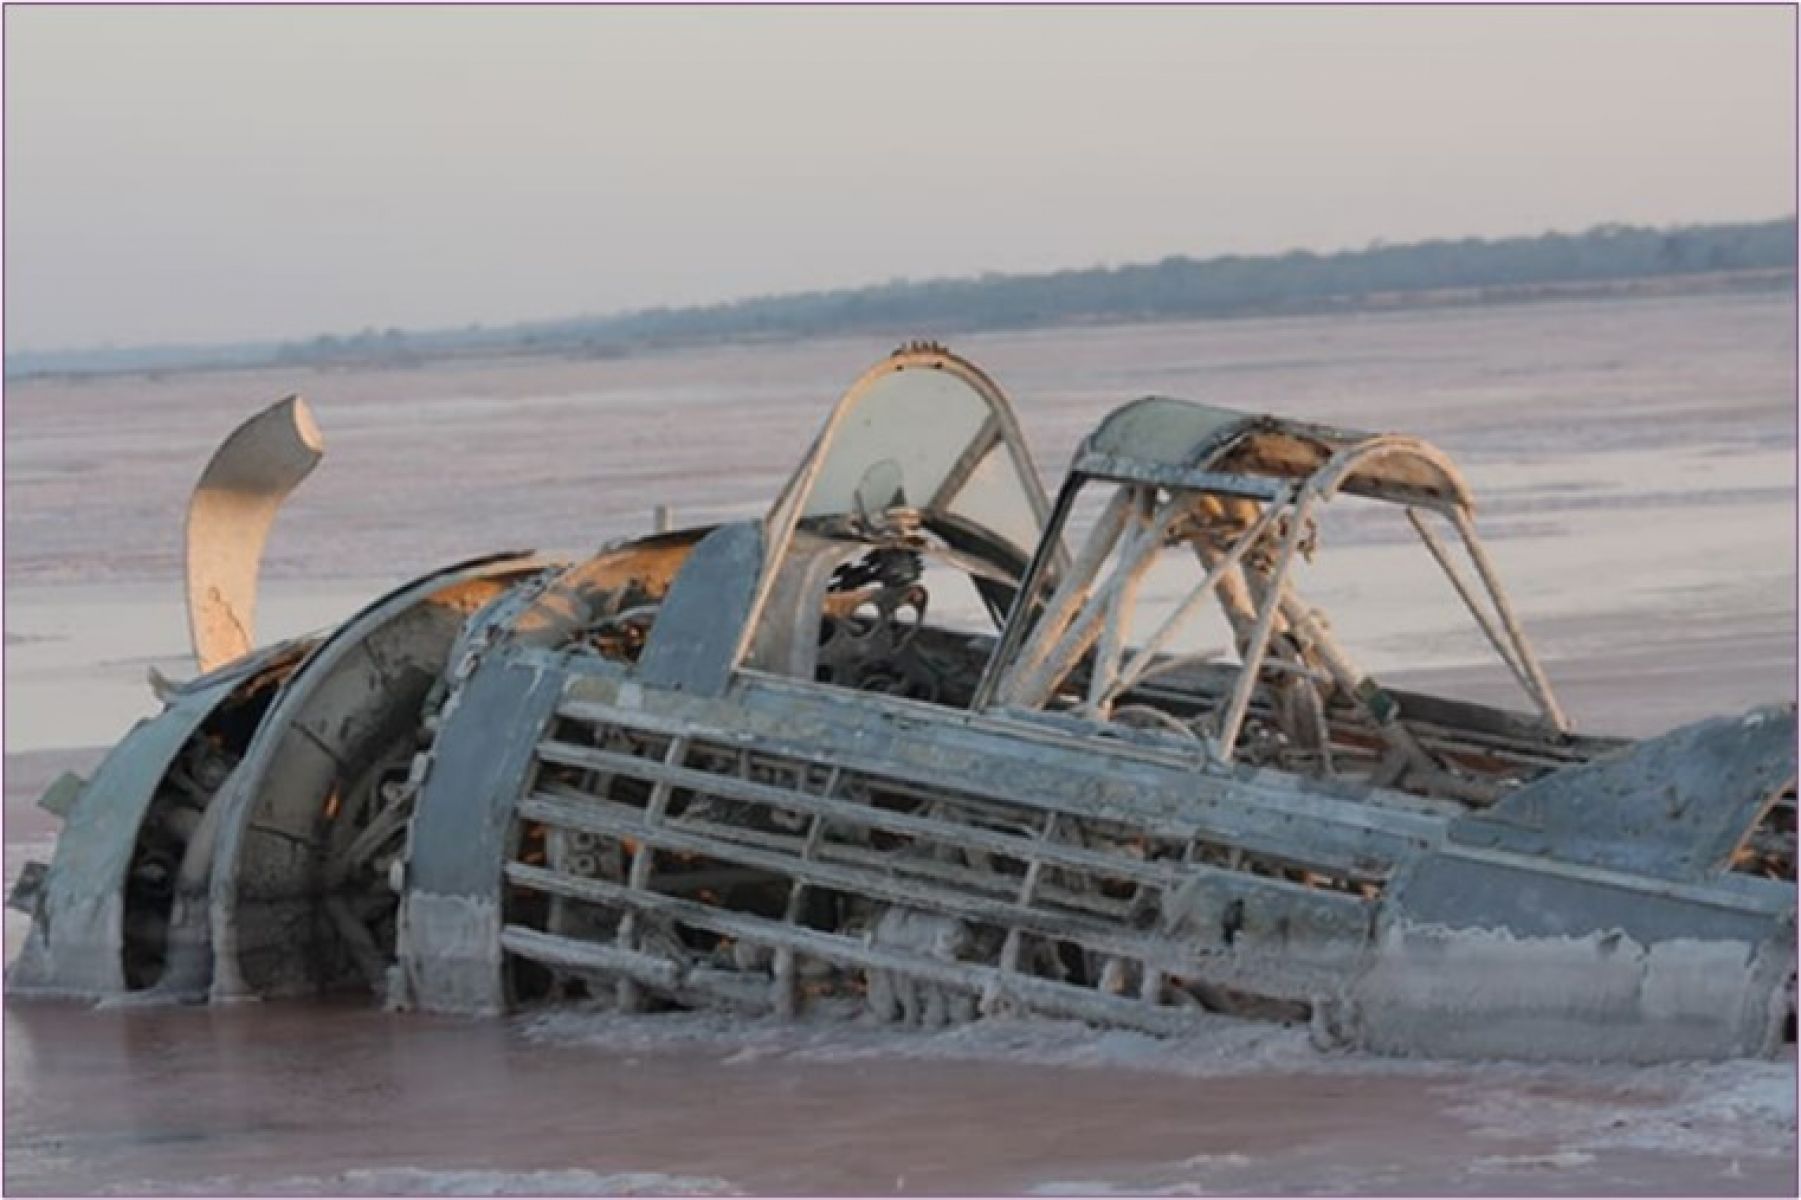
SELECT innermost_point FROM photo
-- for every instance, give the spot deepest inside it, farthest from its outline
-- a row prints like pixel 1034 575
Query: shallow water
pixel 339 1098
pixel 1635 463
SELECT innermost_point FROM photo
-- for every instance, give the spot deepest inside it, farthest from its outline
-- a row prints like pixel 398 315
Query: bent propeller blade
pixel 229 516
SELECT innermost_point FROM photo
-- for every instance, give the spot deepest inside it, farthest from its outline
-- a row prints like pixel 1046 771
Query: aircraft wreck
pixel 750 767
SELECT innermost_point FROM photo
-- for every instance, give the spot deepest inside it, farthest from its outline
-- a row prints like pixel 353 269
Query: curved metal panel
pixel 77 938
pixel 448 948
pixel 229 516
pixel 1675 806
pixel 694 644
pixel 1164 431
pixel 357 699
pixel 1179 443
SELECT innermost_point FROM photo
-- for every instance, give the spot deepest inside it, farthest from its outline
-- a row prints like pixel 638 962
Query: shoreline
pixel 1754 280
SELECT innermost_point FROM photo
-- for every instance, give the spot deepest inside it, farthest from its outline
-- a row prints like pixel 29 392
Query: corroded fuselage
pixel 750 766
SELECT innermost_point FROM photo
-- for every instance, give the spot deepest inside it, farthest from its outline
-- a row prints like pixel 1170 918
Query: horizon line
pixel 279 341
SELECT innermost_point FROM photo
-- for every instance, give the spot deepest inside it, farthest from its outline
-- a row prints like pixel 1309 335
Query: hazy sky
pixel 211 174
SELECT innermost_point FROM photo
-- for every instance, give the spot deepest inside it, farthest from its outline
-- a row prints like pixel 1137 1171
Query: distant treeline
pixel 1472 270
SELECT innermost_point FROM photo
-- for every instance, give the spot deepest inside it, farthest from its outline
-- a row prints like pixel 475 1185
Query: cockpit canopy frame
pixel 1241 491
